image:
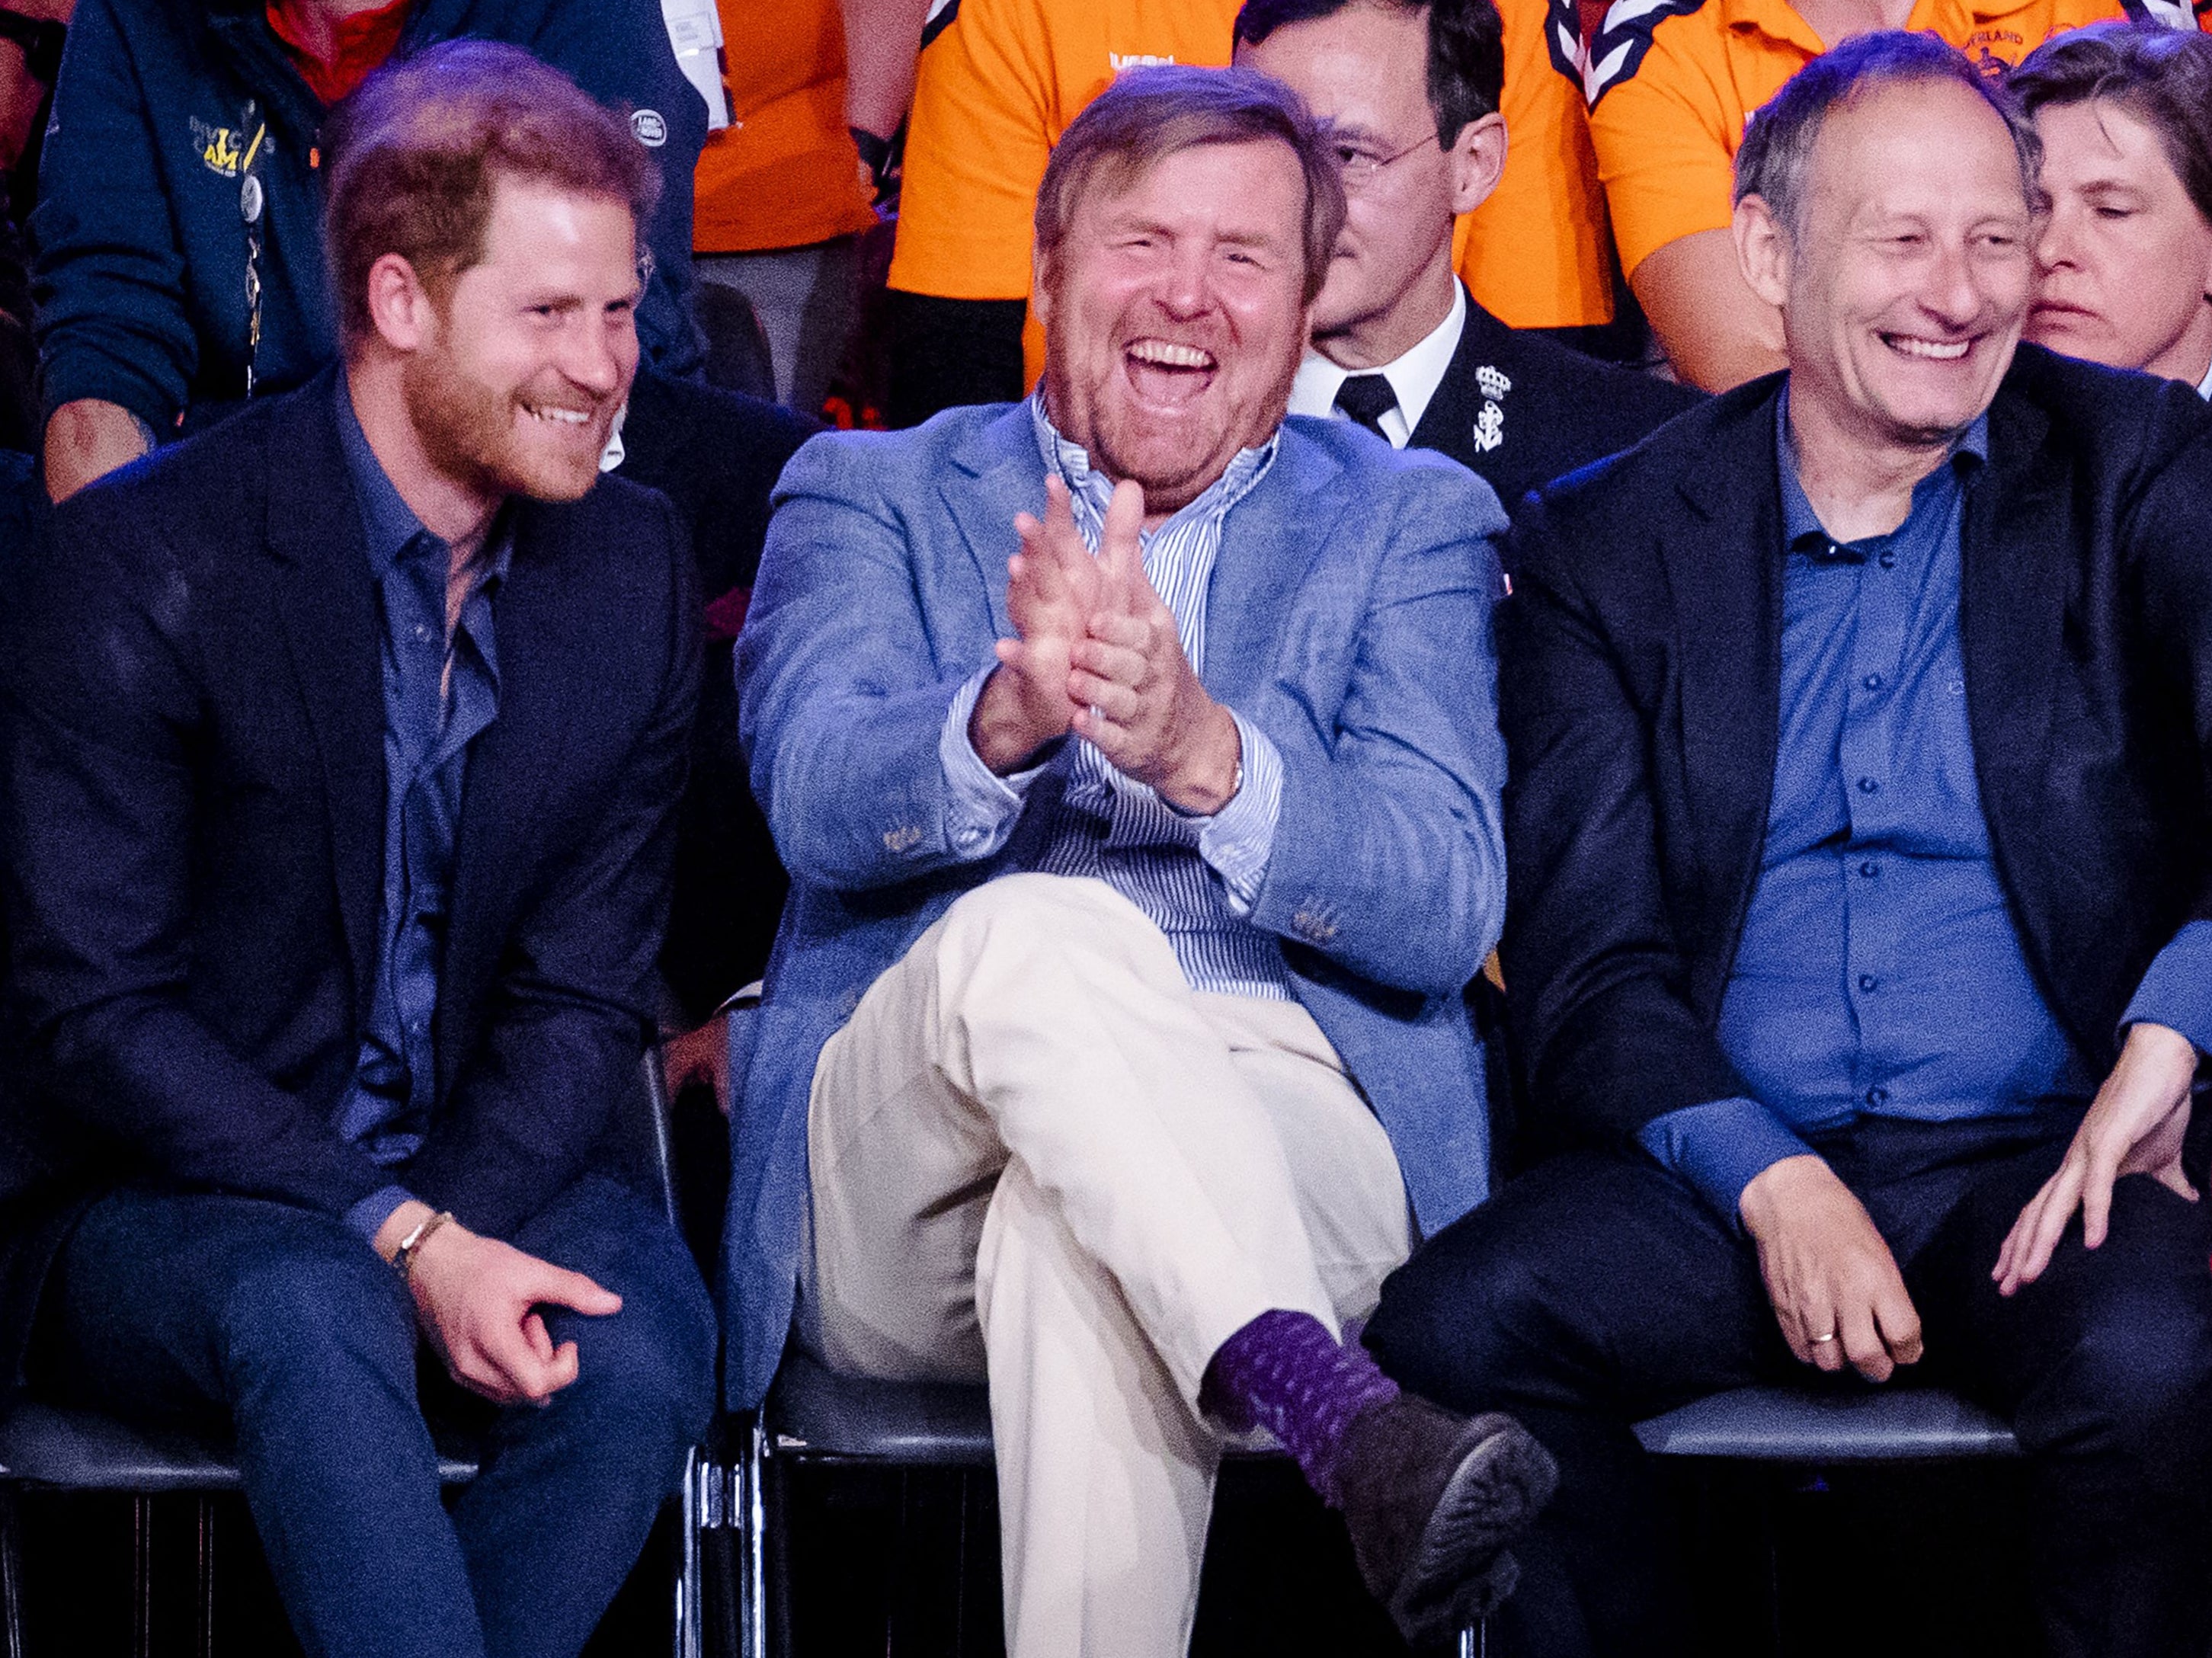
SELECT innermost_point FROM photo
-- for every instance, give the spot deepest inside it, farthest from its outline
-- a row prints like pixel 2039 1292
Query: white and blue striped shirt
pixel 1196 878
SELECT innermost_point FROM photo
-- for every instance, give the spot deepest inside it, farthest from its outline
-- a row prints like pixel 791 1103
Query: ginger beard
pixel 542 440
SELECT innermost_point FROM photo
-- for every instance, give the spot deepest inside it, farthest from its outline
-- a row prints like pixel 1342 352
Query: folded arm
pixel 842 692
pixel 1599 977
pixel 2135 1124
pixel 116 343
pixel 1389 855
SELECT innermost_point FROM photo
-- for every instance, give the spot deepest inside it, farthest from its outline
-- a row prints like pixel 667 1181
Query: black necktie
pixel 1367 398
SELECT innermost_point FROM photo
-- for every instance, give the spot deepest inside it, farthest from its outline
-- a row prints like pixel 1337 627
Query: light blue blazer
pixel 1348 618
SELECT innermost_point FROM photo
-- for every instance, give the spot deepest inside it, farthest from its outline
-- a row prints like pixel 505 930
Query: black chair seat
pixel 1784 1424
pixel 814 1412
pixel 82 1450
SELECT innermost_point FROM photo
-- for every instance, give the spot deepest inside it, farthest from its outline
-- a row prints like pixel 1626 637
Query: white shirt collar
pixel 2203 386
pixel 1413 377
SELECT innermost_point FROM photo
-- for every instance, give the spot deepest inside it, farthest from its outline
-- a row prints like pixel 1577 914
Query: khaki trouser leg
pixel 1033 1111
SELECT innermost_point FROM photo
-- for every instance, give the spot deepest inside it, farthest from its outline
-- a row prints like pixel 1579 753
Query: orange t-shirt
pixel 784 173
pixel 1538 254
pixel 1673 82
pixel 999 84
pixel 993 90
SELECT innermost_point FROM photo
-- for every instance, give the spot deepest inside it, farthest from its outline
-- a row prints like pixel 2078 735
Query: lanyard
pixel 252 200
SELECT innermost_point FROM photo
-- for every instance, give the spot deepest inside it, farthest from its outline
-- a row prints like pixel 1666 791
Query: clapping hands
pixel 1097 652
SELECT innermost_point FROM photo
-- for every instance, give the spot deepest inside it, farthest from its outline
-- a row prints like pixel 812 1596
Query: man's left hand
pixel 1140 702
pixel 2134 1127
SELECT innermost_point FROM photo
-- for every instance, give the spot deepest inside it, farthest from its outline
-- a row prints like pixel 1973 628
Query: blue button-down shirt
pixel 439 695
pixel 1879 973
pixel 1195 877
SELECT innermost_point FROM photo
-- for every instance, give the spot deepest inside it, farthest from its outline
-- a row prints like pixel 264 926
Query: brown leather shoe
pixel 1431 1499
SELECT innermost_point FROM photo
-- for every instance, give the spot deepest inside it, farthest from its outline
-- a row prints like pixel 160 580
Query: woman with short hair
pixel 2124 268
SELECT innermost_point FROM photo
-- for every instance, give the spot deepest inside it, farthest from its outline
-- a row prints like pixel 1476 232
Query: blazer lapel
pixel 2012 588
pixel 326 602
pixel 1723 563
pixel 1268 542
pixel 1447 425
pixel 2012 592
pixel 1001 472
pixel 548 657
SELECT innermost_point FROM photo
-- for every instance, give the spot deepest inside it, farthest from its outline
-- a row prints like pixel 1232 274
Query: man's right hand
pixel 1835 1287
pixel 478 1300
pixel 87 439
pixel 1053 586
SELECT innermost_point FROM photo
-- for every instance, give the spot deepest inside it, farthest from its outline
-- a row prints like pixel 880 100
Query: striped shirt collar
pixel 1093 490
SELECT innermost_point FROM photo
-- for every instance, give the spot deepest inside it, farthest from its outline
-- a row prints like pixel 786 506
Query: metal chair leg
pixel 204 1613
pixel 142 1576
pixel 752 1572
pixel 696 1471
pixel 11 1573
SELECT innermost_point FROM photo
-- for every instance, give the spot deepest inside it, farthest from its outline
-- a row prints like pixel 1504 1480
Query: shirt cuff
pixel 368 1217
pixel 2177 991
pixel 1721 1147
pixel 983 807
pixel 1237 840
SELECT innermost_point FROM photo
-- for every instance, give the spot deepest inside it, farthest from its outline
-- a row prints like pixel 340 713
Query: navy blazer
pixel 1348 618
pixel 1640 697
pixel 1556 410
pixel 195 795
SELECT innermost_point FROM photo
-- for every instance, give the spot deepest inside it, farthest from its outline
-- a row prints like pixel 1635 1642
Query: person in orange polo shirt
pixel 1672 84
pixel 998 82
pixel 817 89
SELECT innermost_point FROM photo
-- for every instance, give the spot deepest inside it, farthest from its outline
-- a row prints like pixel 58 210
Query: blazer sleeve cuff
pixel 981 807
pixel 1719 1148
pixel 1237 840
pixel 368 1217
pixel 2177 991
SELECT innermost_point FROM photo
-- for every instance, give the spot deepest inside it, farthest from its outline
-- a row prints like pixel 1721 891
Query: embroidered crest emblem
pixel 1492 381
pixel 1489 428
pixel 219 148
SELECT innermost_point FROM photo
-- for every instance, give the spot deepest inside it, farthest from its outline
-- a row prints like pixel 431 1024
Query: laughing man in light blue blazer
pixel 1076 1071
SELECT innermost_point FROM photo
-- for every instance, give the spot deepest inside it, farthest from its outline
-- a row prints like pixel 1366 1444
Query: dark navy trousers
pixel 224 1311
pixel 1594 1291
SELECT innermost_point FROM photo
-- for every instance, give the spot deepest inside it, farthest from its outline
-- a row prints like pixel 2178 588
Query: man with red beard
pixel 345 748
pixel 1131 750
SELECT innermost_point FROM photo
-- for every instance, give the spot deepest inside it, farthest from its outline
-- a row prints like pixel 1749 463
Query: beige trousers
pixel 1039 1157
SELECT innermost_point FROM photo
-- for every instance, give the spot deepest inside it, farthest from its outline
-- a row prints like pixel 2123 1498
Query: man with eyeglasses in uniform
pixel 1412 94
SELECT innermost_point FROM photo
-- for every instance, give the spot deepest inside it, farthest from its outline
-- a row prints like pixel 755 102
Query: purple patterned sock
pixel 1285 1373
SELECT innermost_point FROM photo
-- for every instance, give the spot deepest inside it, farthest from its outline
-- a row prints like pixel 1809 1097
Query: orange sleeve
pixel 784 173
pixel 1662 125
pixel 1537 254
pixel 981 134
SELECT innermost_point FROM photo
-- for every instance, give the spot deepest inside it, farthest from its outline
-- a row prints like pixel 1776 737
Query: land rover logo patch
pixel 652 131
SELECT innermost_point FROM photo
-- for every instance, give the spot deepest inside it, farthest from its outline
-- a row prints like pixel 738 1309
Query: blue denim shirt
pixel 1879 973
pixel 430 721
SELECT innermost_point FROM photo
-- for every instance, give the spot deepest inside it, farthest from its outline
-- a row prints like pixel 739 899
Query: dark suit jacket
pixel 1563 410
pixel 1639 691
pixel 195 795
pixel 716 455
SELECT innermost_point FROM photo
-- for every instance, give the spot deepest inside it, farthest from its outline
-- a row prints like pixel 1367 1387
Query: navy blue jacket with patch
pixel 141 245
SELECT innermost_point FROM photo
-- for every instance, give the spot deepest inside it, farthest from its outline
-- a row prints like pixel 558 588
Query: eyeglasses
pixel 1362 167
